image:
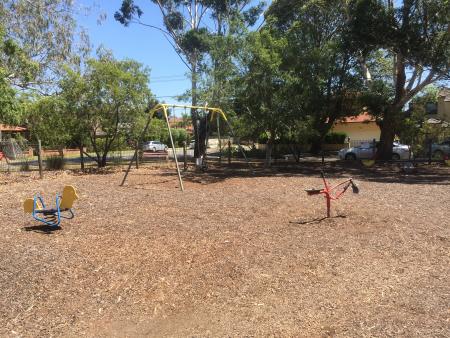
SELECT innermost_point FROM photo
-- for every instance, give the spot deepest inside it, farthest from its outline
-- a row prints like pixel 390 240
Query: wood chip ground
pixel 234 255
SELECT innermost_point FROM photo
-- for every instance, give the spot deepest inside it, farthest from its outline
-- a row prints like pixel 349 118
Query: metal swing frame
pixel 164 107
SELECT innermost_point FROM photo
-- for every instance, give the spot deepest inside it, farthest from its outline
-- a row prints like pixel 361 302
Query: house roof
pixel 361 118
pixel 15 129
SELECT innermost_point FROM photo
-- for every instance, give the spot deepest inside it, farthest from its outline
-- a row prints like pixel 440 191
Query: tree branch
pixel 174 44
pixel 420 86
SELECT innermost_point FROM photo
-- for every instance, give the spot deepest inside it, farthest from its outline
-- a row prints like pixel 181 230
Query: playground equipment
pixel 213 112
pixel 52 216
pixel 333 193
pixel 11 149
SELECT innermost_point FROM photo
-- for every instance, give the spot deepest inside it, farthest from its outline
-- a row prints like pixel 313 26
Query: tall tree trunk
pixel 102 162
pixel 81 156
pixel 323 128
pixel 388 129
pixel 194 114
pixel 393 113
pixel 269 148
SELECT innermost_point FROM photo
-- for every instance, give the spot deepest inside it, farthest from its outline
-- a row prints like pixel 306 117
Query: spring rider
pixel 52 216
pixel 333 193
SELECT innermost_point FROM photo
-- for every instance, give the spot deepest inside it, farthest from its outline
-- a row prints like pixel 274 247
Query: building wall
pixel 359 131
pixel 443 109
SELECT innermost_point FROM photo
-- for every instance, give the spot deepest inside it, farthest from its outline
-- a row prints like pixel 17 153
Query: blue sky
pixel 146 45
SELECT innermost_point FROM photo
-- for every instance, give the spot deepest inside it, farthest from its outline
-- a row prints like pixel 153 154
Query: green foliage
pixel 335 138
pixel 402 47
pixel 42 35
pixel 414 130
pixel 97 107
pixel 109 98
pixel 261 91
pixel 48 121
pixel 179 136
pixel 12 61
pixel 25 166
pixel 157 131
pixel 198 45
pixel 54 162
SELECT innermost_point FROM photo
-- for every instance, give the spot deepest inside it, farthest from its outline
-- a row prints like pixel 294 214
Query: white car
pixel 154 146
pixel 368 150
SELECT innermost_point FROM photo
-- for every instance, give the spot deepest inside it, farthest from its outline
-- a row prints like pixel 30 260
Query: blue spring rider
pixel 52 216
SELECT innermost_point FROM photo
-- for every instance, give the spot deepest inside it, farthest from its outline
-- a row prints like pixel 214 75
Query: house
pixel 443 108
pixel 181 123
pixel 360 128
pixel 7 130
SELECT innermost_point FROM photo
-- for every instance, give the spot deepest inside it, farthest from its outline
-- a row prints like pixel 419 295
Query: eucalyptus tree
pixel 45 31
pixel 263 88
pixel 403 47
pixel 187 29
pixel 325 78
pixel 11 58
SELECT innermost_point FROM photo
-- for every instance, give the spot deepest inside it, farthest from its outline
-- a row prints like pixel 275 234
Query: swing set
pixel 164 108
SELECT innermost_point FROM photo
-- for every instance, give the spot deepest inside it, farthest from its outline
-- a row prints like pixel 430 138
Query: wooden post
pixel 81 157
pixel 229 152
pixel 430 155
pixel 41 175
pixel 220 141
pixel 137 154
pixel 185 156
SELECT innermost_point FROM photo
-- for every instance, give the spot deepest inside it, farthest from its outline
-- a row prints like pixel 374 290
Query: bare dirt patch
pixel 228 257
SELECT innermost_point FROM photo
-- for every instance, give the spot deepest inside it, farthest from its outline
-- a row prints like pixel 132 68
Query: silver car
pixel 441 150
pixel 368 150
pixel 154 146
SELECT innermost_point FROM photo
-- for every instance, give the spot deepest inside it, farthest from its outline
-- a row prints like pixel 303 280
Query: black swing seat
pixel 46 212
pixel 313 191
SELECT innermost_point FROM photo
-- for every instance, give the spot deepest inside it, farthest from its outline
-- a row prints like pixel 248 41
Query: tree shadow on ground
pixel 389 173
pixel 316 220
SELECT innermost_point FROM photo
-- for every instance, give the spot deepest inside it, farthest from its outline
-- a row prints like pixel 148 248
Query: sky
pixel 146 45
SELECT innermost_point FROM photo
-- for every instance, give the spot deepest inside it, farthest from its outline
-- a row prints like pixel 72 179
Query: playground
pixel 235 254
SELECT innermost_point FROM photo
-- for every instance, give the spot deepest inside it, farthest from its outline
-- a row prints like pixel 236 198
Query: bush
pixel 54 162
pixel 25 166
pixel 179 136
pixel 335 138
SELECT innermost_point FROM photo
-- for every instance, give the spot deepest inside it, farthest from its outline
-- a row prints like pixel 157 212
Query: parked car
pixel 368 150
pixel 154 146
pixel 441 150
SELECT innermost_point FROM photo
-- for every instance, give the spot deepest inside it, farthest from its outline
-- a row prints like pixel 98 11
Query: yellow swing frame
pixel 164 107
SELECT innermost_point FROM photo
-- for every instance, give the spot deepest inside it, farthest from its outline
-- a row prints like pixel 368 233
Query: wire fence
pixel 23 156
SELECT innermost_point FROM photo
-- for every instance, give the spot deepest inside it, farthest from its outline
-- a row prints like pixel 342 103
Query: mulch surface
pixel 234 255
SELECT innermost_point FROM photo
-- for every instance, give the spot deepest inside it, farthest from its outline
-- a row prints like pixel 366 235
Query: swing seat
pixel 313 191
pixel 52 216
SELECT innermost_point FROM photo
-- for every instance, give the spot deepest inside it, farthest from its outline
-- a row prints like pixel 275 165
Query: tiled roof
pixel 5 127
pixel 361 118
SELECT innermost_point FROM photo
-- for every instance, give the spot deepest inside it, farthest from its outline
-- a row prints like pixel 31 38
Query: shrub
pixel 54 162
pixel 335 138
pixel 25 166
